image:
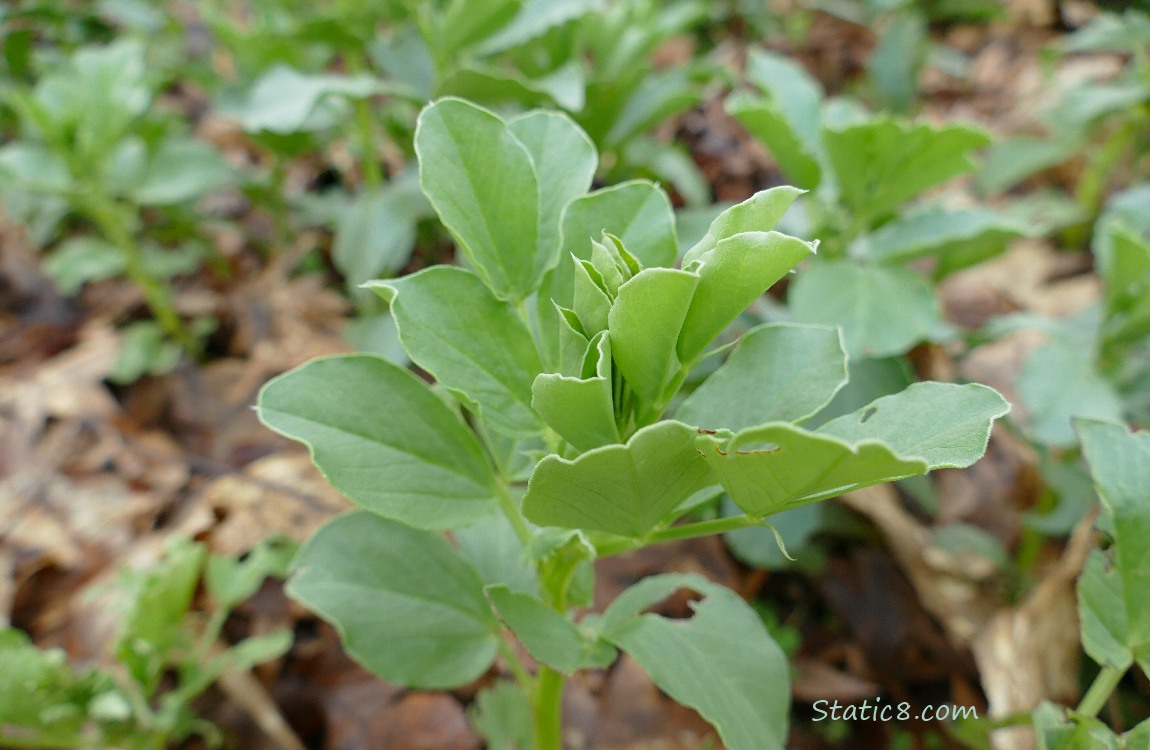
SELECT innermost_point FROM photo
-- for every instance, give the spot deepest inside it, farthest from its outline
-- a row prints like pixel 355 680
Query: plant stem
pixel 516 666
pixel 1092 184
pixel 1100 690
pixel 513 513
pixel 103 211
pixel 549 710
pixel 686 531
pixel 365 130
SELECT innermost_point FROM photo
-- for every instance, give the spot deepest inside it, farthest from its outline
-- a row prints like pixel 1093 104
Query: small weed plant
pixel 557 352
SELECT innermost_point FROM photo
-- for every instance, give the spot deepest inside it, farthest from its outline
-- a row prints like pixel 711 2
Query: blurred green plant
pixel 46 703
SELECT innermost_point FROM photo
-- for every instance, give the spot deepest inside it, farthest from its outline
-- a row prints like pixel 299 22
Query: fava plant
pixel 556 433
pixel 92 146
pixel 1112 605
pixel 165 657
pixel 868 175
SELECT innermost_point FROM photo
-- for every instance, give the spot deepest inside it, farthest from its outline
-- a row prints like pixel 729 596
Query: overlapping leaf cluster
pixel 557 350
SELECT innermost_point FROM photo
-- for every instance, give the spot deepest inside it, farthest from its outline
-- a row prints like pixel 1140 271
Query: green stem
pixel 1103 685
pixel 549 710
pixel 516 665
pixel 103 212
pixel 372 173
pixel 1092 184
pixel 686 531
pixel 513 513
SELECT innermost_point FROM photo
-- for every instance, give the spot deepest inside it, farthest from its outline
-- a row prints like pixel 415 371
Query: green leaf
pixel 231 580
pixel 1120 464
pixel 637 212
pixel 1102 613
pixel 945 424
pixel 732 276
pixel 787 118
pixel 726 666
pixel 621 489
pixel 547 634
pixel 882 163
pixel 469 22
pixel 580 409
pixel 42 702
pixel 777 373
pixel 934 229
pixel 882 310
pixel 1058 383
pixel 31 167
pixel 896 60
pixel 382 438
pixel 644 323
pixel 475 345
pixel 407 607
pixel 1011 160
pixel 779 466
pixel 181 170
pixel 759 213
pixel 158 600
pixel 481 180
pixel 78 260
pixel 375 233
pixel 565 161
pixel 660 95
pixel 502 716
pixel 253 651
pixel 535 18
pixel 491 85
pixel 285 101
pixel 493 548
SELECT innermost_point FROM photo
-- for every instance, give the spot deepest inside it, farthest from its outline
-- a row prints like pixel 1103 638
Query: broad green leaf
pixel 469 22
pixel 1124 263
pixel 248 653
pixel 660 95
pixel 495 86
pixel 285 101
pixel 502 716
pixel 637 212
pixel 375 233
pixel 897 58
pixel 777 373
pixel 1057 383
pixel 726 666
pixel 475 345
pixel 591 301
pixel 787 118
pixel 481 180
pixel 382 438
pixel 78 260
pixel 934 229
pixel 759 213
pixel 157 602
pixel 644 324
pixel 492 546
pixel 945 424
pixel 31 167
pixel 732 276
pixel 621 489
pixel 779 466
pixel 1120 464
pixel 547 634
pixel 1102 613
pixel 1011 160
pixel 882 310
pixel 406 605
pixel 565 162
pixel 181 170
pixel 535 18
pixel 580 409
pixel 882 163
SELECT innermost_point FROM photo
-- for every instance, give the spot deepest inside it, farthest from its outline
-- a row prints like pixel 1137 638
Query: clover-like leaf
pixel 621 489
pixel 580 409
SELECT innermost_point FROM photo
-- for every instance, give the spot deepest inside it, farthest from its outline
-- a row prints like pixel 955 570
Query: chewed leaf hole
pixel 867 413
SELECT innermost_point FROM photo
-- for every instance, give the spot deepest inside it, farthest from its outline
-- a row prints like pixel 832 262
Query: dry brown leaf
pixel 280 494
